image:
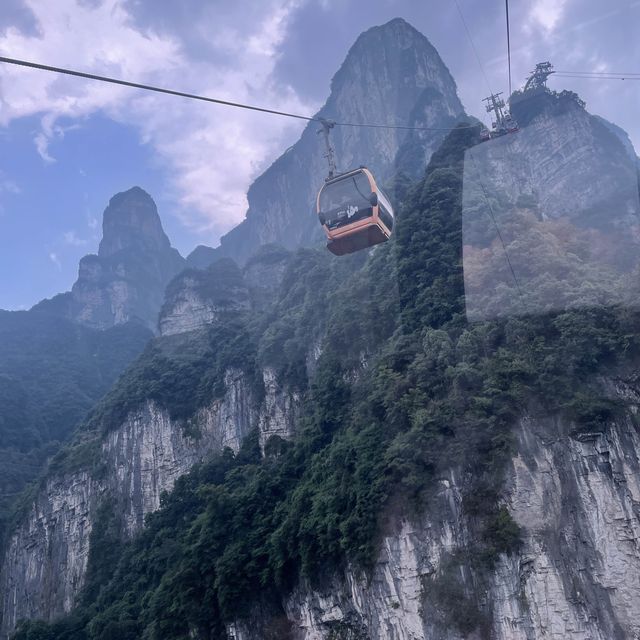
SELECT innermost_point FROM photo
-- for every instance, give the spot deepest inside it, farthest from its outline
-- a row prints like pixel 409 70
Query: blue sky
pixel 67 145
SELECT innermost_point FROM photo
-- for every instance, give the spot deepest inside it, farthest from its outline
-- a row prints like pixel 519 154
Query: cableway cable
pixel 146 87
pixel 473 46
pixel 508 44
pixel 228 103
pixel 497 227
pixel 598 73
pixel 585 77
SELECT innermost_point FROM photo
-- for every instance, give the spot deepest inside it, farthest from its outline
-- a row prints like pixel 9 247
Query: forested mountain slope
pixel 52 371
pixel 392 471
pixel 59 358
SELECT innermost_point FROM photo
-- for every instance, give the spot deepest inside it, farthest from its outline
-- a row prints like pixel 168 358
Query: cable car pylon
pixel 504 122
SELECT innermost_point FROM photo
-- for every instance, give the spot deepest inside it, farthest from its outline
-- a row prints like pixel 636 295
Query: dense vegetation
pixel 52 371
pixel 525 106
pixel 404 393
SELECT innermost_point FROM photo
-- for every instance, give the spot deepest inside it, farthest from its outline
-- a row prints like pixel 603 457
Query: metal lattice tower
pixel 538 77
pixel 495 104
pixel 504 122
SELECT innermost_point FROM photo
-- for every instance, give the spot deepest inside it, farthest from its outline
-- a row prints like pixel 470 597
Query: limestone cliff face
pixel 199 297
pixel 149 452
pixel 196 298
pixel 279 410
pixel 263 274
pixel 572 164
pixel 577 575
pixel 576 498
pixel 46 558
pixel 391 75
pixel 126 280
pixel 557 202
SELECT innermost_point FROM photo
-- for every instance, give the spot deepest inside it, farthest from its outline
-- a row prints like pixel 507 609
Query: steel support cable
pixel 228 103
pixel 495 224
pixel 473 46
pixel 508 44
pixel 598 73
pixel 583 77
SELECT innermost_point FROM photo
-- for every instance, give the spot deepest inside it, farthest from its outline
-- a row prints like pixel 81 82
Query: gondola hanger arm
pixel 329 154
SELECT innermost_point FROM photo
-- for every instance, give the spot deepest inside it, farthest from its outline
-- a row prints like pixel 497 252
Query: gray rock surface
pixel 127 279
pixel 392 74
pixel 196 298
pixel 571 162
pixel 279 410
pixel 263 274
pixel 551 214
pixel 577 575
pixel 46 558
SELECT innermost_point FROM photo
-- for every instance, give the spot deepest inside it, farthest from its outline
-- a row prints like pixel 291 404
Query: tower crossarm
pixel 538 77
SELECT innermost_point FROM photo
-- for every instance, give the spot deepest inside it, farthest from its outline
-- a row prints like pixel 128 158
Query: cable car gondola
pixel 354 212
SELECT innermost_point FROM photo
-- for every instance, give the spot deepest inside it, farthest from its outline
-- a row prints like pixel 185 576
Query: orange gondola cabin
pixel 354 212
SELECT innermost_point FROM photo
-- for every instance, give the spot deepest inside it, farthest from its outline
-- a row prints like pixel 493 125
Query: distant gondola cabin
pixel 354 212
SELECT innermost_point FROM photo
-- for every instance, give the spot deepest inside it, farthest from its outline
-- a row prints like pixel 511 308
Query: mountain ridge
pixel 125 280
pixel 392 74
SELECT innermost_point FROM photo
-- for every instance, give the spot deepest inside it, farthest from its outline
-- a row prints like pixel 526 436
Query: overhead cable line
pixel 401 126
pixel 497 227
pixel 584 77
pixel 473 46
pixel 146 87
pixel 598 73
pixel 228 103
pixel 508 44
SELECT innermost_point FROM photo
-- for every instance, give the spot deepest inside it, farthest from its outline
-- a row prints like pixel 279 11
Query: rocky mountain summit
pixel 566 185
pixel 59 358
pixel 572 164
pixel 126 280
pixel 391 75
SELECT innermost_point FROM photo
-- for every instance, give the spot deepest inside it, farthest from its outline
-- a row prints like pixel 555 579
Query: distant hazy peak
pixel 127 279
pixel 397 30
pixel 398 36
pixel 131 221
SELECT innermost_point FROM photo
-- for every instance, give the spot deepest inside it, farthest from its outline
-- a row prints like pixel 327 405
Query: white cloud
pixel 547 13
pixel 8 186
pixel 56 260
pixel 49 131
pixel 211 152
pixel 42 146
pixel 71 238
